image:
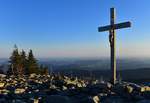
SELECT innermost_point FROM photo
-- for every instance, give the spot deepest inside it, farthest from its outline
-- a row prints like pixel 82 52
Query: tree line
pixel 22 63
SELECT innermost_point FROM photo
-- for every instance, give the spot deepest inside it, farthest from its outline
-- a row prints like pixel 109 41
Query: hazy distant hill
pixel 129 69
pixel 94 64
pixel 91 64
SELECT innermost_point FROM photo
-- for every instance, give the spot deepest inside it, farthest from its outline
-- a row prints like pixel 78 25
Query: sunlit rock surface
pixel 62 89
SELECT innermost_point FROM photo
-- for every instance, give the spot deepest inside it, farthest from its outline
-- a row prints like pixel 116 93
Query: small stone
pixel 36 101
pixel 32 75
pixel 64 88
pixel 129 89
pixel 19 91
pixel 96 99
pixel 4 91
pixel 2 85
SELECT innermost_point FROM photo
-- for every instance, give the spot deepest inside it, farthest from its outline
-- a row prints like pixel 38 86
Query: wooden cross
pixel 112 39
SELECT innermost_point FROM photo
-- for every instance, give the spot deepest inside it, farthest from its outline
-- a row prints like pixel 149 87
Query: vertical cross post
pixel 112 39
pixel 113 45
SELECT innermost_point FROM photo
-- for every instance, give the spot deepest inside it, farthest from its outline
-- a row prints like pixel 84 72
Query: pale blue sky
pixel 68 28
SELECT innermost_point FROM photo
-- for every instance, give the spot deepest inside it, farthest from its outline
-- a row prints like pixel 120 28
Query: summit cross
pixel 112 39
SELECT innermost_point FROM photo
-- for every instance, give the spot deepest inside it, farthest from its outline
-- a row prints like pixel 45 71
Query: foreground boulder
pixel 58 99
pixel 87 100
pixel 144 101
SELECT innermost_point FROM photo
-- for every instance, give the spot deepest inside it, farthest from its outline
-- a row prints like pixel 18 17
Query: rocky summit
pixel 62 89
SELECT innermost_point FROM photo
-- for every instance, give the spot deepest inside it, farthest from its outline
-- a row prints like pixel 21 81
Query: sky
pixel 68 28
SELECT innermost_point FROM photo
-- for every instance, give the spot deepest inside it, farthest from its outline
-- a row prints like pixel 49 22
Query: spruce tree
pixel 32 65
pixel 23 62
pixel 14 62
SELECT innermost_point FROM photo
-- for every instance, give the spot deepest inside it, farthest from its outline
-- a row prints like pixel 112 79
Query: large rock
pixel 134 86
pixel 3 100
pixel 87 100
pixel 123 89
pixel 113 99
pixel 144 88
pixel 57 99
pixel 146 94
pixel 98 88
pixel 144 101
pixel 2 75
pixel 128 89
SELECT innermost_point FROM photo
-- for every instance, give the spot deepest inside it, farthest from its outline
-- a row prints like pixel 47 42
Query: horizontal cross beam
pixel 115 26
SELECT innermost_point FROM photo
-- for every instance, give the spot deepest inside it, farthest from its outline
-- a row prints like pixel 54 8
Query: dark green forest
pixel 22 63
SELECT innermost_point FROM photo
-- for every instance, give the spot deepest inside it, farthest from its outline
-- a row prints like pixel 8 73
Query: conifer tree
pixel 32 65
pixel 23 62
pixel 14 62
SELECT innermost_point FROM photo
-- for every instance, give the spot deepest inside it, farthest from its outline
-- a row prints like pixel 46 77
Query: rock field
pixel 63 89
